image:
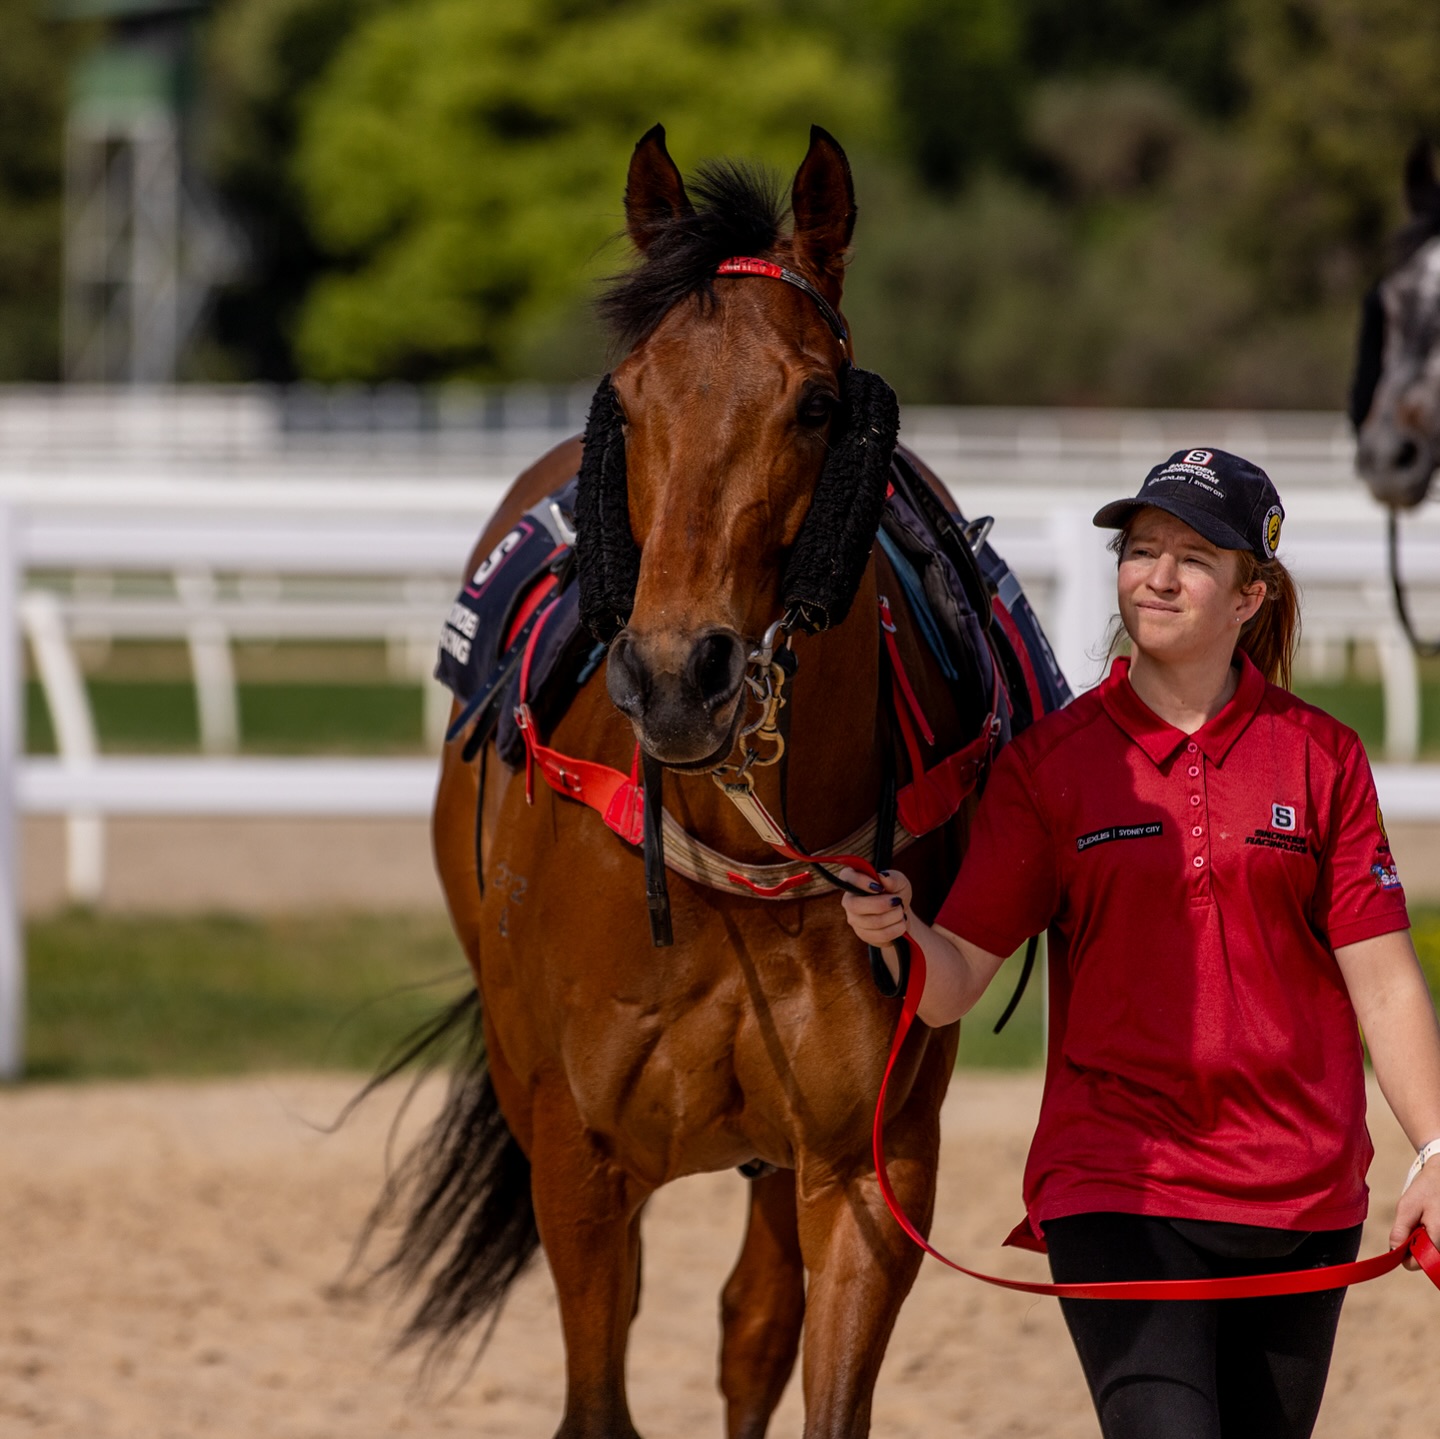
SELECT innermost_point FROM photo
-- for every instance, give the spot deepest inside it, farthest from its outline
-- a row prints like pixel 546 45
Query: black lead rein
pixel 1424 649
pixel 657 892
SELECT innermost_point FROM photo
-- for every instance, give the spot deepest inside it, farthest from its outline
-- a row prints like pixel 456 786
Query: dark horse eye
pixel 815 409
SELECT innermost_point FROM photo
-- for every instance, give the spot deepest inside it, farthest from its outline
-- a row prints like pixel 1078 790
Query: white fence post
pixel 64 689
pixel 1400 679
pixel 217 700
pixel 12 944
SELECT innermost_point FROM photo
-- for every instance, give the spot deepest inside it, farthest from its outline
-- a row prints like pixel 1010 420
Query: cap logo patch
pixel 1270 532
pixel 1198 457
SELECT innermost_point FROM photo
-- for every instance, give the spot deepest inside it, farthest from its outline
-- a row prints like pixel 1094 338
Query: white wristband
pixel 1429 1152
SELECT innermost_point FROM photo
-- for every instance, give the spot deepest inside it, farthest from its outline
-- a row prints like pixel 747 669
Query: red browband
pixel 740 265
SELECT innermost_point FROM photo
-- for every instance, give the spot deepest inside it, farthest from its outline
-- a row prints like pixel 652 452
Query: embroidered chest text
pixel 1144 829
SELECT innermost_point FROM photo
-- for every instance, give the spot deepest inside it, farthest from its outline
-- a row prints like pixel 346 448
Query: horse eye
pixel 815 409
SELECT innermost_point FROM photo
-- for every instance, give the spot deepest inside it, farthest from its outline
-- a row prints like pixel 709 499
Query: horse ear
pixel 1422 190
pixel 823 203
pixel 654 192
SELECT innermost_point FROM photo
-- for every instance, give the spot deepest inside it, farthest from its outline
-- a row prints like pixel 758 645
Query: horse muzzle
pixel 1397 464
pixel 682 693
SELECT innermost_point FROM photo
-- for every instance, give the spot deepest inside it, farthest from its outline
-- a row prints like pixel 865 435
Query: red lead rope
pixel 1302 1281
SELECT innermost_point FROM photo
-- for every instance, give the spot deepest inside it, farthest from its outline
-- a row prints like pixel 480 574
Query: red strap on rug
pixel 934 794
pixel 903 688
pixel 1022 655
pixel 1301 1281
pixel 539 592
pixel 618 800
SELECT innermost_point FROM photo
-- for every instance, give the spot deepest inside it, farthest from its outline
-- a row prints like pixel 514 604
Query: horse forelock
pixel 738 209
pixel 1414 236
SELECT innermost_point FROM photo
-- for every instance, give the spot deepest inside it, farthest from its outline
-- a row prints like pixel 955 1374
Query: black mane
pixel 1419 231
pixel 738 210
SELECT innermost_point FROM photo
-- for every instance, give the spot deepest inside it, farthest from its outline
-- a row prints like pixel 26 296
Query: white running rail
pixel 404 523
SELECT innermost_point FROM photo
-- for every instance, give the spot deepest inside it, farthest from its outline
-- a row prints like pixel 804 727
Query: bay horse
pixel 605 1067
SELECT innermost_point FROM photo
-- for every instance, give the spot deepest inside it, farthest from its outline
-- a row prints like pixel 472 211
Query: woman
pixel 1208 855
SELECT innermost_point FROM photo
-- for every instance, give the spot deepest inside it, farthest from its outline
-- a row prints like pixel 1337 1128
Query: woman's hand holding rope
pixel 881 916
pixel 958 971
pixel 1419 1204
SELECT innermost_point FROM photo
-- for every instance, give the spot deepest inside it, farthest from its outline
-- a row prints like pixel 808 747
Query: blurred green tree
pixel 1188 46
pixel 1062 201
pixel 957 80
pixel 1341 89
pixel 463 163
pixel 34 54
pixel 262 58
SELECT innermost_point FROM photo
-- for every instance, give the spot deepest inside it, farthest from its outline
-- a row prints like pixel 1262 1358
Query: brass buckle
pixel 768 689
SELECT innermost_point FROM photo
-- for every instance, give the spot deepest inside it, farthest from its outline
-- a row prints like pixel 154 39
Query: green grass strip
pixel 114 996
pixel 159 717
pixel 121 997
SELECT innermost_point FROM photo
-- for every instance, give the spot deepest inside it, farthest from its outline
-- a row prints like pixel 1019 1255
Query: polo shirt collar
pixel 1159 739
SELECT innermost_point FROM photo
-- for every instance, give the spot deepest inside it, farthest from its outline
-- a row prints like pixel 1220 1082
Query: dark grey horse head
pixel 1395 394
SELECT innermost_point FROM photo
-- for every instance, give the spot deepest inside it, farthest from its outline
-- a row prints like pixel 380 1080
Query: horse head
pixel 734 462
pixel 1395 394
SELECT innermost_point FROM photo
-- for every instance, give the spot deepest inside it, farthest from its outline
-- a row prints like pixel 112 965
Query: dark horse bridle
pixel 1424 649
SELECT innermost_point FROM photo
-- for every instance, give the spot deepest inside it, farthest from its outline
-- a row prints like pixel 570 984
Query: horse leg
pixel 861 1267
pixel 588 1212
pixel 762 1309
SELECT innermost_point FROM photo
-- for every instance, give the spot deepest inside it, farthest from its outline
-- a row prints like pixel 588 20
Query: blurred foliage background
pixel 1142 202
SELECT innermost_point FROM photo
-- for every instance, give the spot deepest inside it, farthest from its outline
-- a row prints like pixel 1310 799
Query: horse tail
pixel 461 1195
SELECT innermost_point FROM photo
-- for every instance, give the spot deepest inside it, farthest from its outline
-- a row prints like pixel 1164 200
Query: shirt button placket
pixel 1198 850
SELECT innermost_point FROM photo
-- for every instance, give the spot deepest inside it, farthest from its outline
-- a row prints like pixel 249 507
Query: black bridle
pixel 1424 649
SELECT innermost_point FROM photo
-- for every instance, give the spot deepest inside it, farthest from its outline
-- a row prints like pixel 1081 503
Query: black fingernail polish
pixel 894 899
pixel 886 873
pixel 876 887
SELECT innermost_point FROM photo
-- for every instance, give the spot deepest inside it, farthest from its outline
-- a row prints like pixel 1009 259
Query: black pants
pixel 1195 1368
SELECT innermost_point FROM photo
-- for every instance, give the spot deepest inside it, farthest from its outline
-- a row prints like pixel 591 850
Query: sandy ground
pixel 168 1252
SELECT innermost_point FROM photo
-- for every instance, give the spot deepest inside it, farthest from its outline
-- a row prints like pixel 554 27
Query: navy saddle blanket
pixel 525 582
pixel 484 641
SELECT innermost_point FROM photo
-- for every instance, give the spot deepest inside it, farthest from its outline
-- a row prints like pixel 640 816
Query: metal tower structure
pixel 142 247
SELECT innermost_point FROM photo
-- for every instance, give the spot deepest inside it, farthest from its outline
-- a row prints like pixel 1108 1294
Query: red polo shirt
pixel 1204 1059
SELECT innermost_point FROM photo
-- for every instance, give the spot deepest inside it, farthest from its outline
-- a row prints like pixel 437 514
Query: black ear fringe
pixel 829 557
pixel 607 559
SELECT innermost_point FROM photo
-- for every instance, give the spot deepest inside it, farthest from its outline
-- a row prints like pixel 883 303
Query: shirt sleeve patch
pixel 1386 875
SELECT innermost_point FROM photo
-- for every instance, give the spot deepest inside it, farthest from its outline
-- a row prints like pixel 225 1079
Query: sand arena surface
pixel 168 1253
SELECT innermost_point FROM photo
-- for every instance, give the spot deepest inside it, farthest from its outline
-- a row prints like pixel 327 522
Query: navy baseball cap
pixel 1228 500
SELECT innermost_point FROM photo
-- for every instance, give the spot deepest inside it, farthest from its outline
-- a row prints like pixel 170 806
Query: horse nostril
pixel 1406 453
pixel 717 665
pixel 626 678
